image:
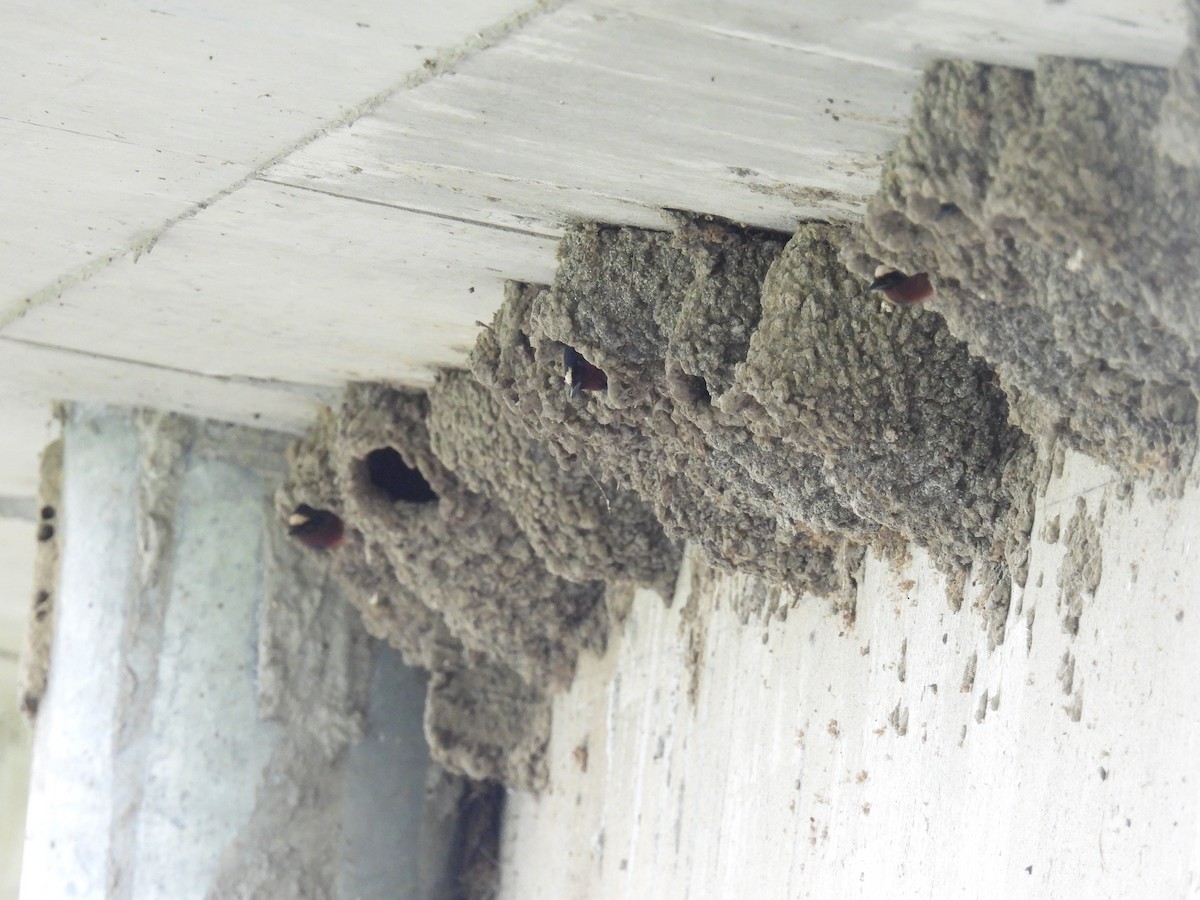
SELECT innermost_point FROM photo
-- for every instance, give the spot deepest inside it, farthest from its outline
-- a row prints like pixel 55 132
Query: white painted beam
pixel 298 287
pixel 279 199
pixel 117 118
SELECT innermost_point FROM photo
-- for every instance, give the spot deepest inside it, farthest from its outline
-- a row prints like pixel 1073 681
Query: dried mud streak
pixel 145 240
pixel 693 633
pixel 981 707
pixel 756 600
pixel 1066 672
pixel 582 530
pixel 1060 242
pixel 33 670
pixel 1082 566
pixel 994 600
pixel 968 679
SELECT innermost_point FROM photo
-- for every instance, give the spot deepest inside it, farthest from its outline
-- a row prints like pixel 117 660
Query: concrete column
pixel 206 685
pixel 15 750
pixel 376 843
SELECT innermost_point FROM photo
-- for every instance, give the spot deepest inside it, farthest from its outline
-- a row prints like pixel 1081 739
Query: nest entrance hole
pixel 398 480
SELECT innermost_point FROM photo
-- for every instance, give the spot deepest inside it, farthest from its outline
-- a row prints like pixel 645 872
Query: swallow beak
pixel 886 278
pixel 317 528
pixel 576 387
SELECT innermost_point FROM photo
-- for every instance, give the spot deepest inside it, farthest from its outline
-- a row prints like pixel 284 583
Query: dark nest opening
pixel 389 473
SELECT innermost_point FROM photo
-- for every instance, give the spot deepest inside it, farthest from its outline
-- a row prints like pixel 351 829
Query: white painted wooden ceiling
pixel 231 209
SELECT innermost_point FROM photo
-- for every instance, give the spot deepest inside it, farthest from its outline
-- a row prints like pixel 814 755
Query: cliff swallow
pixel 581 375
pixel 316 528
pixel 901 289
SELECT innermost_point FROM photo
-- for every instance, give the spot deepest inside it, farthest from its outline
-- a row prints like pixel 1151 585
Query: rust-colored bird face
pixel 581 375
pixel 316 528
pixel 901 289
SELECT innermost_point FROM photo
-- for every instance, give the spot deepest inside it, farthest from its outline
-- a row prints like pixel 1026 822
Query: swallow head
pixel 301 516
pixel 581 375
pixel 570 358
pixel 316 528
pixel 901 289
pixel 886 278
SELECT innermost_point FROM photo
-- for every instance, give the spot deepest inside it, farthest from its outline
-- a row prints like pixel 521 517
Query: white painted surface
pixel 28 426
pixel 17 552
pixel 72 782
pixel 37 375
pixel 118 117
pixel 762 112
pixel 119 120
pixel 788 779
pixel 327 291
pixel 18 539
pixel 16 748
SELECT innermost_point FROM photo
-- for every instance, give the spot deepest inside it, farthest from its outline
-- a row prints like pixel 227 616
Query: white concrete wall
pixel 148 746
pixel 206 746
pixel 73 779
pixel 17 543
pixel 896 757
pixel 16 753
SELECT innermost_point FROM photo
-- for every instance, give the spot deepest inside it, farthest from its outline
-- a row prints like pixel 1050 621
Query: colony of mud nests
pixel 1059 215
pixel 755 402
